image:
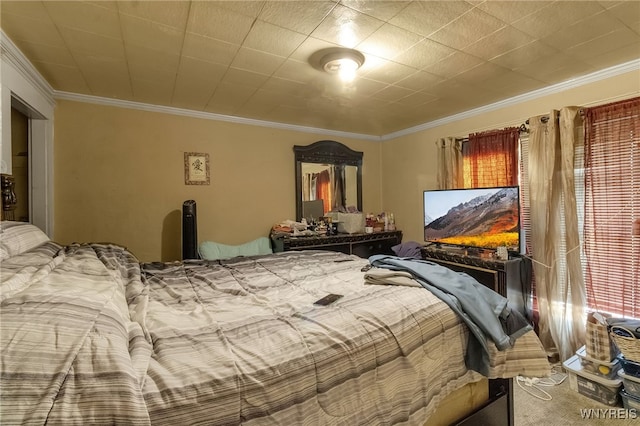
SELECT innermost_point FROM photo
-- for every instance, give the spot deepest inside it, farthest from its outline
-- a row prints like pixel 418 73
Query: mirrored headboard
pixel 330 160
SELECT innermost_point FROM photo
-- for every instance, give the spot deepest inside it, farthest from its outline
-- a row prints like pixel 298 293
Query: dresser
pixel 362 245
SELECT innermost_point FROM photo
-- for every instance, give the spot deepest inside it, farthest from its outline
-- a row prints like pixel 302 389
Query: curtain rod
pixel 545 118
pixel 523 127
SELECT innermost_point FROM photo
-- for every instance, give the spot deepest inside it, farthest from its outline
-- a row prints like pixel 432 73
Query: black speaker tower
pixel 189 230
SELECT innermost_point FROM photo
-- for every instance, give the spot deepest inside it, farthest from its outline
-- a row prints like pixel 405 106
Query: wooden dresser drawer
pixel 362 245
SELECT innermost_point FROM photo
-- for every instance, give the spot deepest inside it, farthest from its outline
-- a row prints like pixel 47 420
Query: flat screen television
pixel 475 217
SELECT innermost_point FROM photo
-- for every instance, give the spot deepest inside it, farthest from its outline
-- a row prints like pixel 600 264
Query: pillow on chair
pixel 210 250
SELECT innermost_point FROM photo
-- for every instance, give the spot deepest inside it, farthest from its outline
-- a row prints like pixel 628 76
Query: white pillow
pixel 6 224
pixel 18 237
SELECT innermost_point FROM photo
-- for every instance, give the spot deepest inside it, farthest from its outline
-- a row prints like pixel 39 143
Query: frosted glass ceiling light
pixel 347 69
pixel 341 61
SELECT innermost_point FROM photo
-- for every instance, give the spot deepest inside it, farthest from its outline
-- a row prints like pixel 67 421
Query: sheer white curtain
pixel 450 172
pixel 555 240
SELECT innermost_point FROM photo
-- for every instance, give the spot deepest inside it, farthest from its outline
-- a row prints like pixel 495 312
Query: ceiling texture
pixel 424 60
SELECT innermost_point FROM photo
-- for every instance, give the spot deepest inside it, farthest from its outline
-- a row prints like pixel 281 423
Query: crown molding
pixel 560 87
pixel 14 57
pixel 545 91
pixel 206 115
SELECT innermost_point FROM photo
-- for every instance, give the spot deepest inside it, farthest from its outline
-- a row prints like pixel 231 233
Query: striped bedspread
pixel 90 336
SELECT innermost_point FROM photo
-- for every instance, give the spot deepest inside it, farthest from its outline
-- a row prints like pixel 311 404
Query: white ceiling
pixel 425 60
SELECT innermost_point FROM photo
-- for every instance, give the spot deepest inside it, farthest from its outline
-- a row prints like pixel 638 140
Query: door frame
pixel 24 88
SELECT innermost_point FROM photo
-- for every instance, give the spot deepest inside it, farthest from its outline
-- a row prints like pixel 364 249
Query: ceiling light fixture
pixel 341 61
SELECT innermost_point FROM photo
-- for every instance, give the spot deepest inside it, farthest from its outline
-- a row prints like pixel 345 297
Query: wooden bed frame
pixel 487 402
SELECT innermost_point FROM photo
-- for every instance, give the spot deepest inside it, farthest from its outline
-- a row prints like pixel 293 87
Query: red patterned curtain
pixel 491 158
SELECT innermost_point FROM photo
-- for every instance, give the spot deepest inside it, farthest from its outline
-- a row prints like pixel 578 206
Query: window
pixel 612 206
pixel 607 189
pixel 490 159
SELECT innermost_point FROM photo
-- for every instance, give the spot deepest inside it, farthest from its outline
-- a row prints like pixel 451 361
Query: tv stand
pixel 506 277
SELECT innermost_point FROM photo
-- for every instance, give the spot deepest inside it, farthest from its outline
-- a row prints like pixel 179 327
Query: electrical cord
pixel 528 384
pixel 531 383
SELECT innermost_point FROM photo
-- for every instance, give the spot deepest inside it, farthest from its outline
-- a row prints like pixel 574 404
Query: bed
pixel 89 335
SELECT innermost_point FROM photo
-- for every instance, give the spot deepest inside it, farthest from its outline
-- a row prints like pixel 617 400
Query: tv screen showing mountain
pixel 476 217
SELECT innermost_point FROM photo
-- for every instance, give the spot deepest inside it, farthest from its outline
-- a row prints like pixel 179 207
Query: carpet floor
pixel 566 406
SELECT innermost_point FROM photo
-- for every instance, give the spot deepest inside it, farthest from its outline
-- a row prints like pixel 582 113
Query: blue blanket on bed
pixel 485 312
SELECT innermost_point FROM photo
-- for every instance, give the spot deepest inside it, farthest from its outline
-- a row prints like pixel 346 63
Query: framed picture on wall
pixel 196 168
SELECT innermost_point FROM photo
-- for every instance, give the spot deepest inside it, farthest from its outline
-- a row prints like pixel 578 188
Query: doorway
pixel 20 160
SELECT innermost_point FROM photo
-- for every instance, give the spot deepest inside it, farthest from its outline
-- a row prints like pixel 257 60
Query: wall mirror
pixel 328 171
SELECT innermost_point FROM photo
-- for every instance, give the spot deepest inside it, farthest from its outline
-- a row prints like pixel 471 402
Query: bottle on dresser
pixel 392 223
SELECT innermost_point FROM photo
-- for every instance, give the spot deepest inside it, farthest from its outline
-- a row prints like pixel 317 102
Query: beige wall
pixel 409 162
pixel 119 173
pixel 119 177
